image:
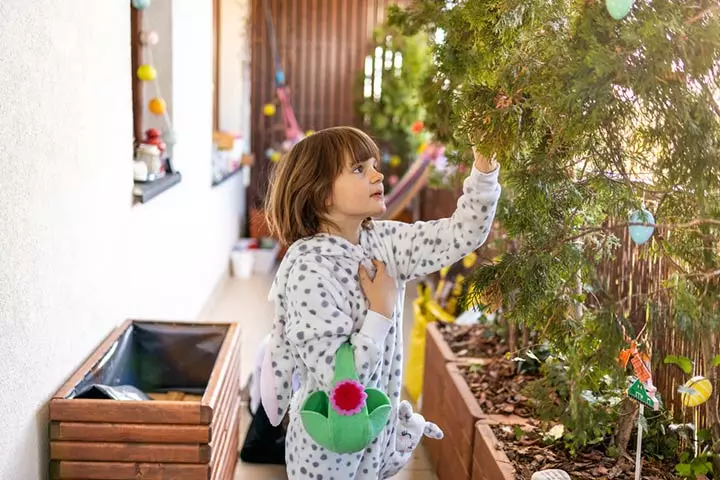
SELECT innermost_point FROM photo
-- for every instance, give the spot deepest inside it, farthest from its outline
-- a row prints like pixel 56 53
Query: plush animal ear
pixel 433 431
pixel 405 411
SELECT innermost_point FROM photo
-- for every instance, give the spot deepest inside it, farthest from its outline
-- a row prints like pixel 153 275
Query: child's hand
pixel 381 292
pixel 481 162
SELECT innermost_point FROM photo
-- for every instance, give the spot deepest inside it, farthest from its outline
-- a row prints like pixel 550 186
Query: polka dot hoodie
pixel 320 305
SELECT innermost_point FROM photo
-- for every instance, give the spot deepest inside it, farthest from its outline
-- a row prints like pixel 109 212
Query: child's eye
pixel 358 169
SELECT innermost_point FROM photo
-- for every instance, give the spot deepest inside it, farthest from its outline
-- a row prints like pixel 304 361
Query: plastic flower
pixel 348 397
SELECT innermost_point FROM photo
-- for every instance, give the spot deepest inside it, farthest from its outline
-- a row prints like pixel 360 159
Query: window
pixel 151 67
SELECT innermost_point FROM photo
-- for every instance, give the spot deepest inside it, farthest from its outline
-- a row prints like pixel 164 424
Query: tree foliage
pixel 591 118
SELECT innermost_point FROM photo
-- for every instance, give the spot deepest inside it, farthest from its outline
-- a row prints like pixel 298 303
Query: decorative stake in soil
pixel 642 391
pixel 638 453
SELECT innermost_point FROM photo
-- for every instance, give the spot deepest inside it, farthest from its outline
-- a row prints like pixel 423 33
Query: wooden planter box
pixel 437 384
pixel 176 435
pixel 460 412
pixel 489 460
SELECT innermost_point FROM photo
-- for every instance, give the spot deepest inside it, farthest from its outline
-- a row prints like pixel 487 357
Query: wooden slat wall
pixel 322 46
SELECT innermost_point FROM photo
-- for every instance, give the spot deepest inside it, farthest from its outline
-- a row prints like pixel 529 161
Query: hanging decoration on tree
pixel 696 391
pixel 619 9
pixel 641 233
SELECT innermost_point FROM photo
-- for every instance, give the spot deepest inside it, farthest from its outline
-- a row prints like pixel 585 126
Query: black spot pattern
pixel 319 306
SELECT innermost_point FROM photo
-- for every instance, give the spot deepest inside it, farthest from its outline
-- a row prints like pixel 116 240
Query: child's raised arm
pixel 421 248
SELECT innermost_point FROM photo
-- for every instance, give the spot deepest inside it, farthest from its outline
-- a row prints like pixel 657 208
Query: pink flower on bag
pixel 348 397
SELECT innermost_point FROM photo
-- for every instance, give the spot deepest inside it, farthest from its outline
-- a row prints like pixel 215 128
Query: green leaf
pixel 716 361
pixel 684 363
pixel 683 469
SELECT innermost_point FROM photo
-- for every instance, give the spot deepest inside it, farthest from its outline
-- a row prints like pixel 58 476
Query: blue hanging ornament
pixel 618 9
pixel 141 4
pixel 641 233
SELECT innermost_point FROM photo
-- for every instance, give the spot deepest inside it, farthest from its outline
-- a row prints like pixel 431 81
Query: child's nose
pixel 377 176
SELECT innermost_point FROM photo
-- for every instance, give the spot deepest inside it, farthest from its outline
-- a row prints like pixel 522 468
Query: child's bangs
pixel 360 147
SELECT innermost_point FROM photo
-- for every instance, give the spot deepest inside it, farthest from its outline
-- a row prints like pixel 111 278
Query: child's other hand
pixel 381 292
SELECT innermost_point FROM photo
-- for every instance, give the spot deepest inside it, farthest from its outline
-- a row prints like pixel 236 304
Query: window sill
pixel 143 192
pixel 226 176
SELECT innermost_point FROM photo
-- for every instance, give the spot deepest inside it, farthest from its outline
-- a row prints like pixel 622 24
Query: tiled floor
pixel 245 302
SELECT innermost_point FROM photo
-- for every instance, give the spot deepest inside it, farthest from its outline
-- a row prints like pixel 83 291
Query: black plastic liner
pixel 156 357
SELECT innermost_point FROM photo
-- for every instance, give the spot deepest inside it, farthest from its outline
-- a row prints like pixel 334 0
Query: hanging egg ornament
pixel 269 152
pixel 618 9
pixel 146 73
pixel 149 38
pixel 309 132
pixel 395 161
pixel 417 127
pixel 393 180
pixel 157 106
pixel 275 157
pixel 696 391
pixel 269 110
pixel 641 233
pixel 141 4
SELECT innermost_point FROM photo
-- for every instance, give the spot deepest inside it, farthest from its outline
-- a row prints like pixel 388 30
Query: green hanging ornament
pixel 619 9
pixel 351 416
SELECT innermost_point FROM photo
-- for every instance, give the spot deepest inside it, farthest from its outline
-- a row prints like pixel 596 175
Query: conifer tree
pixel 592 117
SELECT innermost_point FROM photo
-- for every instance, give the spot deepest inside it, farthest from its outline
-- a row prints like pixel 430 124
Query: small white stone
pixel 550 475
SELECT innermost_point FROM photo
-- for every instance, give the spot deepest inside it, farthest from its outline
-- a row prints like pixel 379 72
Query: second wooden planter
pixel 441 385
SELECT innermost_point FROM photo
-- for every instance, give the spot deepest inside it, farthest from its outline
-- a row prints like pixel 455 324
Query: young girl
pixel 343 280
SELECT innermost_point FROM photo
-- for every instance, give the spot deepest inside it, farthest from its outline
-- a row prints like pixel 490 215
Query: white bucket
pixel 242 263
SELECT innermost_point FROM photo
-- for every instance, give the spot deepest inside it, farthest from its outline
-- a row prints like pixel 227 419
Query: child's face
pixel 358 192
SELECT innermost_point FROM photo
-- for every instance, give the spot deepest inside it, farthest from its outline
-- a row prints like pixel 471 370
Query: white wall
pixel 75 257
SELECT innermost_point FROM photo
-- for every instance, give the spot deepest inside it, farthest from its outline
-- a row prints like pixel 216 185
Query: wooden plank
pixel 131 452
pixel 128 471
pixel 221 432
pixel 128 432
pixel 229 401
pixel 109 411
pixel 225 467
pixel 221 367
pixel 92 360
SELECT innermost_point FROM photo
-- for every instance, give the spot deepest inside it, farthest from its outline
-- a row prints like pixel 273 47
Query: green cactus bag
pixel 351 416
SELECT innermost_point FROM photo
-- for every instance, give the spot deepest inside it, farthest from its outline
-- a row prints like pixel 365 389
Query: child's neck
pixel 348 229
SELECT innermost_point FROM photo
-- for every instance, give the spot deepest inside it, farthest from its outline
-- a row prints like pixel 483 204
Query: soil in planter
pixel 497 387
pixel 477 341
pixel 528 454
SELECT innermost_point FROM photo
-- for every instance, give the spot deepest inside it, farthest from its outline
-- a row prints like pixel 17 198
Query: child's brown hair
pixel 301 185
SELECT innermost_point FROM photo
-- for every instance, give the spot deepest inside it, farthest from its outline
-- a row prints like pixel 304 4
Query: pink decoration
pixel 149 38
pixel 392 180
pixel 348 397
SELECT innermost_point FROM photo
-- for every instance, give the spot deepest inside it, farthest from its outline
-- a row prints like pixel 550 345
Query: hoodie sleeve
pixel 422 248
pixel 317 324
